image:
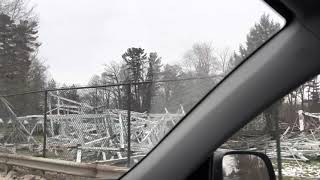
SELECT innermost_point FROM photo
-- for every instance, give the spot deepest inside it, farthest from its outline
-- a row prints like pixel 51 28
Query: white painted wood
pixel 78 160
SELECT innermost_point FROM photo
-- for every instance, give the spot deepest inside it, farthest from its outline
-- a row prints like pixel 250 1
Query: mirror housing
pixel 242 165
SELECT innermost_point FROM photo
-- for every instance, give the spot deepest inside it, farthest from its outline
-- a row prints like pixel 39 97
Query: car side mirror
pixel 242 165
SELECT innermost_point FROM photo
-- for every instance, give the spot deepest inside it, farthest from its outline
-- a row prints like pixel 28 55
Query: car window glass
pixel 293 121
pixel 102 82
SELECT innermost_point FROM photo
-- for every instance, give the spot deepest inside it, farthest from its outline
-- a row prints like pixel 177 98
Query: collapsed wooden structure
pixel 300 141
pixel 80 132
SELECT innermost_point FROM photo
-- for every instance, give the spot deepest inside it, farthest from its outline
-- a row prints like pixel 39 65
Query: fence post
pixel 277 133
pixel 129 124
pixel 96 101
pixel 45 124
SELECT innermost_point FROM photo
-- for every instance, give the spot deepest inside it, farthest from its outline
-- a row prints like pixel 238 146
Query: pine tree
pixel 175 92
pixel 153 74
pixel 18 42
pixel 135 59
pixel 259 34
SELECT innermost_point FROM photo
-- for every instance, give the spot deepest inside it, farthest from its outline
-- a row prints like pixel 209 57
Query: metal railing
pixel 61 166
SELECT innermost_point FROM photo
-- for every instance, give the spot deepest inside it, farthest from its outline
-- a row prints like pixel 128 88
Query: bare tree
pixel 201 59
pixel 223 58
pixel 113 75
pixel 18 9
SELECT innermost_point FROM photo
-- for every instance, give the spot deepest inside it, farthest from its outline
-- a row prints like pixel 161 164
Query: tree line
pixel 22 70
pixel 201 60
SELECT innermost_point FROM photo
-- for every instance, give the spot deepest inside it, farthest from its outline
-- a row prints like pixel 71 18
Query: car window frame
pixel 279 8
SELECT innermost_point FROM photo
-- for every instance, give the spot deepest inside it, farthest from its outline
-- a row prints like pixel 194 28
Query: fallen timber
pixel 298 147
pixel 298 143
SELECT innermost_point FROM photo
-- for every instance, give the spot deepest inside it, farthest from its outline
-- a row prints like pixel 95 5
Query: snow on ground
pixel 300 170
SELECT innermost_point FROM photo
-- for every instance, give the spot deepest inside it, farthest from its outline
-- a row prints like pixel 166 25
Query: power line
pixel 122 83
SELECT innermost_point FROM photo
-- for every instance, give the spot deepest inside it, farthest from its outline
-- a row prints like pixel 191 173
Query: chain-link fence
pixel 115 124
pixel 86 125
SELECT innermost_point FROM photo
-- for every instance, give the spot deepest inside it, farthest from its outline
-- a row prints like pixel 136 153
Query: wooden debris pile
pixel 79 132
pixel 303 146
pixel 299 141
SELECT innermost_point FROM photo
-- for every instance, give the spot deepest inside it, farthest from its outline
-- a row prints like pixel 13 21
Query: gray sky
pixel 79 36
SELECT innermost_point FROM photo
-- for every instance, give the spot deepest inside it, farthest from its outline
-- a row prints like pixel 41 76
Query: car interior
pixel 178 90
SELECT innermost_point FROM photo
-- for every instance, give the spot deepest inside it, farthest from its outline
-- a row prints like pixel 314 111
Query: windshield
pixel 102 82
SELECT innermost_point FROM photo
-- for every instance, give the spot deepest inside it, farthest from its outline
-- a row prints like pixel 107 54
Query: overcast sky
pixel 79 36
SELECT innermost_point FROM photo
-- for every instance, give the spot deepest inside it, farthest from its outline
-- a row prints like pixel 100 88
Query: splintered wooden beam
pixel 312 115
pixel 62 117
pixel 71 101
pixel 96 141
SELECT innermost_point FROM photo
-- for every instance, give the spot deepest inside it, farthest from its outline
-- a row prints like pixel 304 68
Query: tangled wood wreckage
pixel 79 132
pixel 300 141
